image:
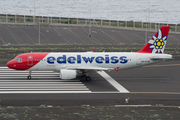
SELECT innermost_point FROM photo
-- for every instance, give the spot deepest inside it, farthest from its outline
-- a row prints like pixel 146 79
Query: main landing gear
pixel 29 76
pixel 86 76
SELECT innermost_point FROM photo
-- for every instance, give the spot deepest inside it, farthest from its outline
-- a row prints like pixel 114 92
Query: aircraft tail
pixel 157 43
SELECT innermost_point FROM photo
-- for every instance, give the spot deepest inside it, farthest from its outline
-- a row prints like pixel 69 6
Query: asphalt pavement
pixel 22 34
pixel 157 83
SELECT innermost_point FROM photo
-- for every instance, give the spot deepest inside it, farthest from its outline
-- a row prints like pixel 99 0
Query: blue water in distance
pixel 161 11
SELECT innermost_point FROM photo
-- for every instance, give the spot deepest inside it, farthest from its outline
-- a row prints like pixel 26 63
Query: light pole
pixel 39 28
pixel 90 23
pixel 146 31
pixel 34 10
pixel 149 16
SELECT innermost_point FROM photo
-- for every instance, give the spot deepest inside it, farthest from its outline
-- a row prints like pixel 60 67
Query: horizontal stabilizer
pixel 161 58
pixel 164 57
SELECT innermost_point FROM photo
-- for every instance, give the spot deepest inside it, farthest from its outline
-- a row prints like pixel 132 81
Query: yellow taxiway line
pixel 2 40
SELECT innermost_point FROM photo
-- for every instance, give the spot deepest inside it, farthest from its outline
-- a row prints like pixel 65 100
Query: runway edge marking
pixel 113 82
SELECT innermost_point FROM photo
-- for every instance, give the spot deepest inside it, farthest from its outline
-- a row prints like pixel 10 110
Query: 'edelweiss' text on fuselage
pixel 99 59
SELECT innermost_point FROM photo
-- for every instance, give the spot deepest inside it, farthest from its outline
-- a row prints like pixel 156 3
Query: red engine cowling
pixel 68 74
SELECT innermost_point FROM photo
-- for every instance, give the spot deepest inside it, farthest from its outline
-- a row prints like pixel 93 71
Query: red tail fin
pixel 157 43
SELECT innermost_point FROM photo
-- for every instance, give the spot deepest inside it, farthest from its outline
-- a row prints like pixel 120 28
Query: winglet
pixel 92 50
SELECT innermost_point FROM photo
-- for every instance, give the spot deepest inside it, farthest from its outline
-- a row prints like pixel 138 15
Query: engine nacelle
pixel 68 74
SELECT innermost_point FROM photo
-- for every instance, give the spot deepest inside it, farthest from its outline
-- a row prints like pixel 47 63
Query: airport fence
pixel 46 20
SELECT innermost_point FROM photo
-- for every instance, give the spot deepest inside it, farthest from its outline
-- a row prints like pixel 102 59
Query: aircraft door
pixel 30 60
pixel 138 60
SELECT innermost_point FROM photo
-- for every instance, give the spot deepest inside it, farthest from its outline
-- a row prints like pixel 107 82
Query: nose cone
pixel 11 65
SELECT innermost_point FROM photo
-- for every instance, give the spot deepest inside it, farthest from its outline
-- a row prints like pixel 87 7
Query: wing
pixel 89 68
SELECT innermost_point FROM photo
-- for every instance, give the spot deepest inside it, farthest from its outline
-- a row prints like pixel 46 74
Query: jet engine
pixel 68 74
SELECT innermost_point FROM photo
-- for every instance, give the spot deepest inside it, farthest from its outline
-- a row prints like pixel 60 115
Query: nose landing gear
pixel 29 76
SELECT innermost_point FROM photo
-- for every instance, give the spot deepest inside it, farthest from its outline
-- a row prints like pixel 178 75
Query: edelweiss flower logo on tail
pixel 158 43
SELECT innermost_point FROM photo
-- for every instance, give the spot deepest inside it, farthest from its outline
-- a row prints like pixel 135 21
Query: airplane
pixel 70 64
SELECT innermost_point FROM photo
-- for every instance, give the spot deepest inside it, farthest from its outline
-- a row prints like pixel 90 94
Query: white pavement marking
pixel 30 92
pixel 17 77
pixel 41 89
pixel 43 84
pixel 133 105
pixel 48 87
pixel 40 84
pixel 39 80
pixel 119 87
pixel 33 75
pixel 3 67
pixel 27 73
pixel 10 70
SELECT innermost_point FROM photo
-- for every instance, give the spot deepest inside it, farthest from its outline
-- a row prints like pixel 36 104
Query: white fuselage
pixel 123 60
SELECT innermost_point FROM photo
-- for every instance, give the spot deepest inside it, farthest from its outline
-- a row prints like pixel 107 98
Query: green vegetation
pixel 28 20
pixel 42 106
pixel 11 19
pixel 42 20
pixel 66 21
pixel 10 107
pixel 98 112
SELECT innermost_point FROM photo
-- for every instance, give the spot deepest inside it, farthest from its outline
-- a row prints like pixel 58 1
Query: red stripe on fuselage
pixel 28 61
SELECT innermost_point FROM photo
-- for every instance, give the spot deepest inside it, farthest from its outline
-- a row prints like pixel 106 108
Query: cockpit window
pixel 18 59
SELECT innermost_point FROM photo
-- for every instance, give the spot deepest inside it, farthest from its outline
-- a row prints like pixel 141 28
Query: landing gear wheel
pixel 87 78
pixel 28 77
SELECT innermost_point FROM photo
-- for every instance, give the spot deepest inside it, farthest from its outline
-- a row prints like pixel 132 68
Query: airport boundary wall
pixel 46 20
